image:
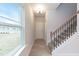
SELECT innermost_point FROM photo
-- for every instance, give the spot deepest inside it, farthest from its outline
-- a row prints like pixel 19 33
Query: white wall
pixel 78 18
pixel 29 30
pixel 55 18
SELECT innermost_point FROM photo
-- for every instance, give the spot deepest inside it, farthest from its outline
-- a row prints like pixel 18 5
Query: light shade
pixel 39 8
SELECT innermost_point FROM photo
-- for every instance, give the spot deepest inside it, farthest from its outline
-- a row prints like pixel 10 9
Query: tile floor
pixel 39 48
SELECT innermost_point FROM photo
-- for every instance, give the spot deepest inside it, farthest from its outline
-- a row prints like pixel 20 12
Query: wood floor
pixel 39 48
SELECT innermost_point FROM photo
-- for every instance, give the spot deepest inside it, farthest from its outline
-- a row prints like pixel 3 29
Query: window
pixel 11 31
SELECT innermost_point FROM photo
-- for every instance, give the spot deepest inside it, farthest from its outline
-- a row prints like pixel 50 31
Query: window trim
pixel 20 47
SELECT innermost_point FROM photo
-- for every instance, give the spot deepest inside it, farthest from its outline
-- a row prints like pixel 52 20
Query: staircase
pixel 64 32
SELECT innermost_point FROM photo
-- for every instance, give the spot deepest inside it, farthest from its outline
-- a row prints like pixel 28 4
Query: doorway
pixel 39 27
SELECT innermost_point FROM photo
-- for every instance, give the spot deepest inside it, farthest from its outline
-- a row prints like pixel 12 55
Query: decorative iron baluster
pixel 65 27
pixel 60 32
pixel 58 37
pixel 54 39
pixel 75 23
pixel 69 28
pixel 51 41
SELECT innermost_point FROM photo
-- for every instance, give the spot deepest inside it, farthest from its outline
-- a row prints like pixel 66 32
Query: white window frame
pixel 19 49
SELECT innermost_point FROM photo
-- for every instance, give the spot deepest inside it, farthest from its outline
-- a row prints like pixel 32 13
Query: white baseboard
pixel 26 50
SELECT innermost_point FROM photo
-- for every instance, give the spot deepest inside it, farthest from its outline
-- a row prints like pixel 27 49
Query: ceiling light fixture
pixel 39 9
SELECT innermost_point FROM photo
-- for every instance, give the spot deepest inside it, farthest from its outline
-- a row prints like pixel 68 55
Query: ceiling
pixel 48 6
pixel 45 6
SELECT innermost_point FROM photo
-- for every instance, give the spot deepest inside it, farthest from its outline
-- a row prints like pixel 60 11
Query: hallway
pixel 39 29
pixel 39 48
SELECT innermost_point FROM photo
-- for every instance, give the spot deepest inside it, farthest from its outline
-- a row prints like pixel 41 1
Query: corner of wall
pixel 26 50
pixel 29 38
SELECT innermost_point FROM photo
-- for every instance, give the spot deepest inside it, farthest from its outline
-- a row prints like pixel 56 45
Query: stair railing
pixel 64 32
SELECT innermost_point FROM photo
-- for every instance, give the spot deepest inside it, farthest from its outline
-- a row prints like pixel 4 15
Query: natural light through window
pixel 10 28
